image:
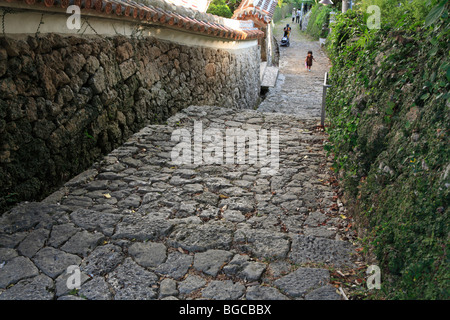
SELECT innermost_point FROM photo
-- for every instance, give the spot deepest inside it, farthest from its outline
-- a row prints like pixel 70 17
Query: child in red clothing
pixel 309 61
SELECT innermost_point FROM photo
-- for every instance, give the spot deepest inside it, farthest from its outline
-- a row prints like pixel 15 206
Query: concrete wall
pixel 269 46
pixel 56 22
pixel 66 100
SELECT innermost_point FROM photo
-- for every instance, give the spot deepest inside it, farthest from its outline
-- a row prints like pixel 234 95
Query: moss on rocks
pixel 389 125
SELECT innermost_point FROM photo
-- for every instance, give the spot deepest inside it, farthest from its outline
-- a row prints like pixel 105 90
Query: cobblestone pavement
pixel 139 226
pixel 142 228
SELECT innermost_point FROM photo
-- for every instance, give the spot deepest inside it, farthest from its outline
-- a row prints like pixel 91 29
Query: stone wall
pixel 66 100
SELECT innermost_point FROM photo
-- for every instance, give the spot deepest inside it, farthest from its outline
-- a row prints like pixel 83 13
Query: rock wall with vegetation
pixel 64 101
pixel 389 127
pixel 318 21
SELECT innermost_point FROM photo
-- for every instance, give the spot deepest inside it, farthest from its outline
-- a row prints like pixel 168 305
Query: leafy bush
pixel 389 129
pixel 399 13
pixel 318 21
pixel 282 11
pixel 347 26
pixel 220 8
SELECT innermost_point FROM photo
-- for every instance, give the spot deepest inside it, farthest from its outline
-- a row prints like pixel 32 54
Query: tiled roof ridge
pixel 260 10
pixel 177 18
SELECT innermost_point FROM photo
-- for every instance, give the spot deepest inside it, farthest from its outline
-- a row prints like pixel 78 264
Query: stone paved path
pixel 141 227
pixel 297 91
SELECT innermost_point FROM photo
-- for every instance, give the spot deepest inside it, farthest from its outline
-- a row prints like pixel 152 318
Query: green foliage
pixel 389 127
pixel 282 11
pixel 399 13
pixel 220 8
pixel 435 13
pixel 11 198
pixel 340 43
pixel 318 21
pixel 298 3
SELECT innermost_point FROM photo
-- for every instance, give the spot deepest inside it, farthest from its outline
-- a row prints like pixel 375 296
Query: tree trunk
pixel 344 6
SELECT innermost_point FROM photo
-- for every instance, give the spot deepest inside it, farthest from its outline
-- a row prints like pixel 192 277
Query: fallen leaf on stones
pixel 343 217
pixel 343 293
pixel 107 195
pixel 222 196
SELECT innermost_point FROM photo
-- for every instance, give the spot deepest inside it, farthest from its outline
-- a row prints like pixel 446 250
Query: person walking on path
pixel 309 61
pixel 287 31
pixel 293 15
pixel 297 18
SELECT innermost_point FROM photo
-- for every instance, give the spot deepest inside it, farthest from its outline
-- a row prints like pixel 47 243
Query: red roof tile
pixel 132 10
pixel 261 10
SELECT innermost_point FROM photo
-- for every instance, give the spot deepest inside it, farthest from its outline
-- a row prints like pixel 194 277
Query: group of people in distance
pixel 297 12
pixel 296 15
pixel 287 31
